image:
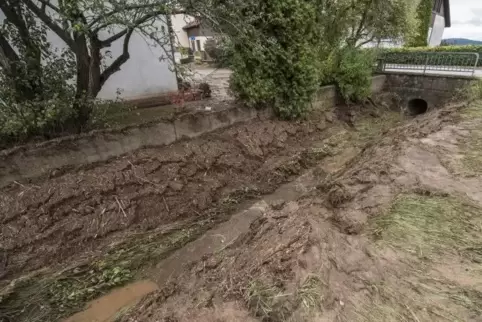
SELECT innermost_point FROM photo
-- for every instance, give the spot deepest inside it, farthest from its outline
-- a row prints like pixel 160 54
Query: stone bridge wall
pixel 436 90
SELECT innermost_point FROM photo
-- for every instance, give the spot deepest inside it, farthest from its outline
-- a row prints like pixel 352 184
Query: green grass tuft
pixel 261 298
pixel 418 298
pixel 53 296
pixel 370 128
pixel 310 293
pixel 428 226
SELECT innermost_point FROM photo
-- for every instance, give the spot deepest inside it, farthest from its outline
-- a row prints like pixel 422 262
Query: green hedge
pixel 407 55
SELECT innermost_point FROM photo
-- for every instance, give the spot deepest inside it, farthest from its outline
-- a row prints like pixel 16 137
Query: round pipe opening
pixel 417 106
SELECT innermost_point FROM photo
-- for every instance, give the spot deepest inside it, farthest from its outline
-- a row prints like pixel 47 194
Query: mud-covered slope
pixel 396 236
pixel 75 212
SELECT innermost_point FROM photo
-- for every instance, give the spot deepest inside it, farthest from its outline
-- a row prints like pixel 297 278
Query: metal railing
pixel 429 63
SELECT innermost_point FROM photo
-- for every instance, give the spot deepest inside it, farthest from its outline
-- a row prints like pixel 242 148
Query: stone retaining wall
pixel 436 90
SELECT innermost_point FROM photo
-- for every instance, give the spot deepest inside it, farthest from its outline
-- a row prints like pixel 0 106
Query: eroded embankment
pixel 71 237
pixel 395 236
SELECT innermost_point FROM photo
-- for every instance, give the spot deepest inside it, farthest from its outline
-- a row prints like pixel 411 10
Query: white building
pixel 146 73
pixel 439 21
pixel 178 23
pixel 198 33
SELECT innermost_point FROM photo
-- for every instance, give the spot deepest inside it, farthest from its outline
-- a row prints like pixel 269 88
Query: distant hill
pixel 461 41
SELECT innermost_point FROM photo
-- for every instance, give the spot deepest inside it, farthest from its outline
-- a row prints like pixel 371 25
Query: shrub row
pixel 416 55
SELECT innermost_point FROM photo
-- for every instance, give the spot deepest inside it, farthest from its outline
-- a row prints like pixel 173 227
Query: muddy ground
pixel 351 220
pixel 49 221
pixel 394 236
pixel 84 231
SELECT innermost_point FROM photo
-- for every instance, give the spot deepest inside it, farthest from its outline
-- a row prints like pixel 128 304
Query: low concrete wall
pixel 436 90
pixel 327 96
pixel 35 160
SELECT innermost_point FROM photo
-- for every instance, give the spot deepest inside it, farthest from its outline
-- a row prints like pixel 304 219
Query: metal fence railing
pixel 429 62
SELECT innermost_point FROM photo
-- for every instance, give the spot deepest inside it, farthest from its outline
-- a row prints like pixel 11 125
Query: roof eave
pixel 448 22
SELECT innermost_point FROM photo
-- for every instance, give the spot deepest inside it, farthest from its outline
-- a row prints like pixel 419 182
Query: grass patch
pixel 472 150
pixel 430 225
pixel 269 303
pixel 418 299
pixel 261 299
pixel 472 147
pixel 473 110
pixel 369 127
pixel 144 115
pixel 310 293
pixel 384 304
pixel 51 297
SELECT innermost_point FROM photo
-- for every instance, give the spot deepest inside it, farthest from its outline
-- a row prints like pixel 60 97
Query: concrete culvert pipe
pixel 417 106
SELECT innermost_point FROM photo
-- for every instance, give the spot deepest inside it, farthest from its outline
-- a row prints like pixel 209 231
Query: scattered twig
pixel 27 189
pixel 165 204
pixel 226 245
pixel 21 185
pixel 141 178
pixel 31 186
pixel 411 312
pixel 120 206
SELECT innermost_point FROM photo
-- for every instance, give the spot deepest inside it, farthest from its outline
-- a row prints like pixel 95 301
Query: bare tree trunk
pixel 95 63
pixel 81 105
pixel 26 78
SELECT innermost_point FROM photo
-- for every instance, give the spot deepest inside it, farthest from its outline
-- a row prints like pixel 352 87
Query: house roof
pixel 448 22
pixel 193 24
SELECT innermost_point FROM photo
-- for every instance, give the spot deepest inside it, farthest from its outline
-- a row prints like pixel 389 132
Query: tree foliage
pixel 353 73
pixel 219 50
pixel 284 49
pixel 34 77
pixel 368 21
pixel 275 59
pixel 280 50
pixel 38 80
pixel 424 14
pixel 90 27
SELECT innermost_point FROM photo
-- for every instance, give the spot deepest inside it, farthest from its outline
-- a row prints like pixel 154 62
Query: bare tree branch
pixel 361 25
pixel 50 23
pixel 119 61
pixel 365 41
pixel 116 64
pixel 107 42
pixel 130 8
pixel 47 3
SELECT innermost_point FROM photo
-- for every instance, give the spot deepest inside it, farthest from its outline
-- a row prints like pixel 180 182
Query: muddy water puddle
pixel 107 307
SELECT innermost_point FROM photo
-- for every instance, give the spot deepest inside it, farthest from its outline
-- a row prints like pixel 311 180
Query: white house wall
pixel 437 32
pixel 147 72
pixel 144 74
pixel 178 22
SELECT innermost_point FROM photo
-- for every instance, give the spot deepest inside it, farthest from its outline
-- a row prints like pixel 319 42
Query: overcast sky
pixel 466 19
